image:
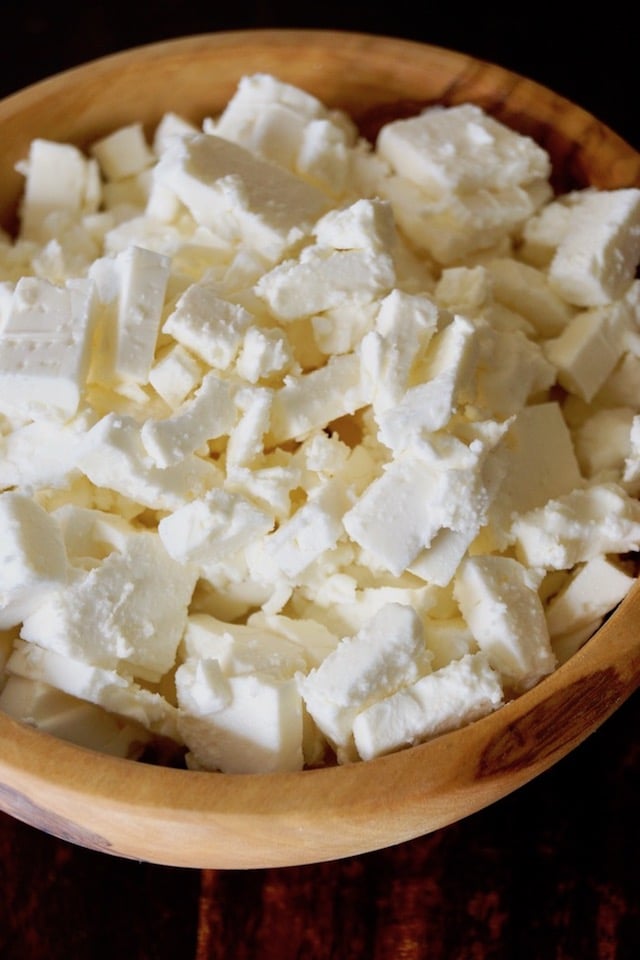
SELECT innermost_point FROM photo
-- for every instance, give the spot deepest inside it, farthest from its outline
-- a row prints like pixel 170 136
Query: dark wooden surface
pixel 548 873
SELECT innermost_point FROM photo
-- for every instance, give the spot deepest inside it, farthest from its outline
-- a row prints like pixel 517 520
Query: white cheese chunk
pixel 595 589
pixel 115 457
pixel 404 327
pixel 33 559
pixel 458 226
pixel 460 149
pixel 44 348
pixel 577 527
pixel 313 528
pixel 211 527
pixel 123 153
pixel 209 414
pixel 404 509
pixel 314 399
pixel 241 649
pixel 387 653
pixel 506 617
pixel 43 706
pixel 588 349
pixel 127 347
pixel 129 611
pixel 527 290
pixel 596 259
pixel 106 688
pixel 462 691
pixel 249 200
pixel 541 464
pixel 208 325
pixel 322 278
pixel 58 178
pixel 42 454
pixel 258 731
pixel 175 375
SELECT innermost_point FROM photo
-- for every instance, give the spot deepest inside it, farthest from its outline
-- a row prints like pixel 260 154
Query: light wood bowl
pixel 211 820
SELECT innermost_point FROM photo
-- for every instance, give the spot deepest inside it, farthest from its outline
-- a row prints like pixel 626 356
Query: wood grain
pixel 549 872
pixel 189 819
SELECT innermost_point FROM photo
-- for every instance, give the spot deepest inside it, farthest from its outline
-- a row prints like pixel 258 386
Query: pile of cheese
pixel 310 448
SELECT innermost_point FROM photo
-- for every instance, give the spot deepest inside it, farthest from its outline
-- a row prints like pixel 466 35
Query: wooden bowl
pixel 213 820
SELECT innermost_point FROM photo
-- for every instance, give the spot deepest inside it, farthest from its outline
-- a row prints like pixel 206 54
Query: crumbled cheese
pixel 311 448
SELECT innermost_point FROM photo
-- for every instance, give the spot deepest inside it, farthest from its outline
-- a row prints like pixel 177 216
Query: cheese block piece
pixel 45 346
pixel 462 691
pixel 506 617
pixel 460 149
pixel 596 259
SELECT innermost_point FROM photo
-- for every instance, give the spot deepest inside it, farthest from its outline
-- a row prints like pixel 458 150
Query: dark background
pixel 587 53
pixel 548 873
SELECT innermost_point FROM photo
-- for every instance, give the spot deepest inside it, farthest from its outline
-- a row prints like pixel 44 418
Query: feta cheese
pixel 310 448
pixel 246 199
pixel 460 149
pixel 58 177
pixel 386 654
pixel 123 153
pixel 33 559
pixel 597 520
pixel 128 612
pixel 128 345
pixel 596 259
pixel 45 348
pixel 506 617
pixel 460 692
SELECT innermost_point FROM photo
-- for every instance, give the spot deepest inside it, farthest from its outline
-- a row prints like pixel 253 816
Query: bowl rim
pixel 204 819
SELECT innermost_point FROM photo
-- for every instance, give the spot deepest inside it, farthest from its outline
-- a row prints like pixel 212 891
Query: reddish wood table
pixel 550 872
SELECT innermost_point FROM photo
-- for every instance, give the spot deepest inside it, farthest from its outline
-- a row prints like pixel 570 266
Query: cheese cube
pixel 595 589
pixel 212 527
pixel 123 153
pixel 588 349
pixel 58 178
pixel 42 454
pixel 541 464
pixel 390 354
pixel 456 694
pixel 128 339
pixel 242 198
pixel 506 617
pixel 209 414
pixel 128 612
pixel 175 374
pixel 258 731
pixel 45 348
pixel 577 527
pixel 603 442
pixel 106 688
pixel 42 706
pixel 314 399
pixel 460 149
pixel 241 649
pixel 114 457
pixel 315 527
pixel 596 260
pixel 458 226
pixel 527 290
pixel 386 654
pixel 33 559
pixel 209 326
pixel 322 279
